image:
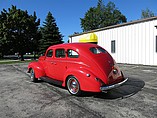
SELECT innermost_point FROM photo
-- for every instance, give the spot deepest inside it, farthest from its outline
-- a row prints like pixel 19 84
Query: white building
pixel 132 43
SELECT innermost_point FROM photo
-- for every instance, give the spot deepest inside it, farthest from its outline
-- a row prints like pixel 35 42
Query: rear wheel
pixel 73 86
pixel 32 75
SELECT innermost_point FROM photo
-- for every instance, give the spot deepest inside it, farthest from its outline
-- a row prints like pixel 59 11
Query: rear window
pixel 97 50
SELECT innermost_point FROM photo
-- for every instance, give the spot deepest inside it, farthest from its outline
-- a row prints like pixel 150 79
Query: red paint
pixel 91 70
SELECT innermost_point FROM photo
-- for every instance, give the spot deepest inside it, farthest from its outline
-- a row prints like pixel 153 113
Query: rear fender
pixel 38 69
pixel 87 79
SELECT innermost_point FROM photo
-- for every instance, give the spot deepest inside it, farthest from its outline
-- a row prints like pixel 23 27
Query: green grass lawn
pixel 14 61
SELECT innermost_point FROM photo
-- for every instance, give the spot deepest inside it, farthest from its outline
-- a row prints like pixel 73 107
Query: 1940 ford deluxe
pixel 78 67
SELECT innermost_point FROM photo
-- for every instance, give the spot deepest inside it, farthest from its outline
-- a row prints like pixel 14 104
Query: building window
pixel 113 46
pixel 156 43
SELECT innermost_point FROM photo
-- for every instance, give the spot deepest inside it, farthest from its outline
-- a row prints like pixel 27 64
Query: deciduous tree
pixel 102 16
pixel 18 31
pixel 147 14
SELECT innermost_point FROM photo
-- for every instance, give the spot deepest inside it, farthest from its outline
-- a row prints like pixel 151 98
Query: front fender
pixel 38 69
pixel 86 78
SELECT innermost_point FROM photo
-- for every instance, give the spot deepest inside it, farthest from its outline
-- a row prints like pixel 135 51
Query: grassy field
pixel 14 61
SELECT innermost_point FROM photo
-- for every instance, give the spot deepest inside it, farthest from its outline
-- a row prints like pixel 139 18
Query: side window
pixel 60 53
pixel 49 53
pixel 113 46
pixel 72 54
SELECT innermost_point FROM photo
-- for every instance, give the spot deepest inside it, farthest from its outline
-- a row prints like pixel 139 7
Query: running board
pixel 51 81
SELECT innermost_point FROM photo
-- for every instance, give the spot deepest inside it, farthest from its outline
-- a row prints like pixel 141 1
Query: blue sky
pixel 68 12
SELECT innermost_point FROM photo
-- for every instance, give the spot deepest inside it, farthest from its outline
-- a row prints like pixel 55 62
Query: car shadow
pixel 130 88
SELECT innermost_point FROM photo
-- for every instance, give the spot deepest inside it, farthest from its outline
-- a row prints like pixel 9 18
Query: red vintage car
pixel 78 67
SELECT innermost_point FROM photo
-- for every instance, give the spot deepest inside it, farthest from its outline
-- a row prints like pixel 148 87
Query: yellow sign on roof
pixel 89 38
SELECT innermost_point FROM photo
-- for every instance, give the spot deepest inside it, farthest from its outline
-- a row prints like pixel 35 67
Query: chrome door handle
pixel 53 63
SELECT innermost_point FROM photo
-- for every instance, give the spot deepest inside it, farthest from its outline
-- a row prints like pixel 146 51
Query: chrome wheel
pixel 32 75
pixel 73 86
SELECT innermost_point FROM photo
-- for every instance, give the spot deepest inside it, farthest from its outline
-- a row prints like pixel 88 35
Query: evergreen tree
pixel 50 34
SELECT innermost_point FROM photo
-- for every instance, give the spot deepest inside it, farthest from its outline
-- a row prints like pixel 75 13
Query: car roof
pixel 74 45
pixel 81 48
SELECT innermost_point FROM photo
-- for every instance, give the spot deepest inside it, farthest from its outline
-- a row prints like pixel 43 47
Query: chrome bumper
pixel 105 88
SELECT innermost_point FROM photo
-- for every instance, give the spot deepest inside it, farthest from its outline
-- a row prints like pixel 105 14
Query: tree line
pixel 20 32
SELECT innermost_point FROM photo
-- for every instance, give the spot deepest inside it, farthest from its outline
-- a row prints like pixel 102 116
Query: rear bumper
pixel 105 88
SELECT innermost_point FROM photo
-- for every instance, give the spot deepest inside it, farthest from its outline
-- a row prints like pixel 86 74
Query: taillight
pixel 115 71
pixel 115 68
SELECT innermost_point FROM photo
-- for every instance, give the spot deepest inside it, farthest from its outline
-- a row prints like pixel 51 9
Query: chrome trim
pixel 105 88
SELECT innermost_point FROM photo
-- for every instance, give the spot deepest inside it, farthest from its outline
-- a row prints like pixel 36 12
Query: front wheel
pixel 32 75
pixel 73 86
